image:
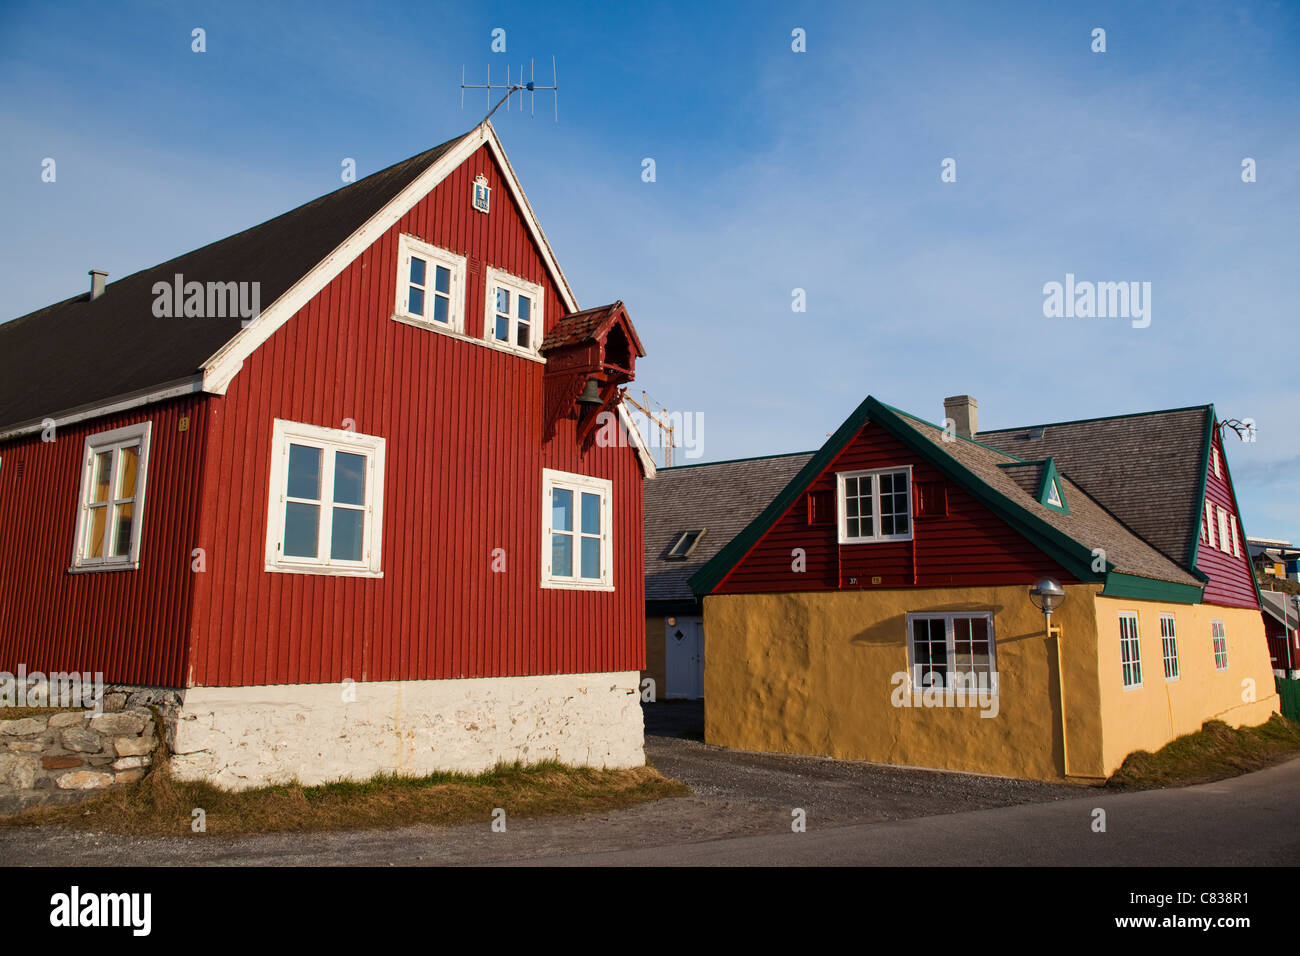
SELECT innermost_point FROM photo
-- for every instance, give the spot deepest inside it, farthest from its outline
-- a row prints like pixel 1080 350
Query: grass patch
pixel 18 713
pixel 160 805
pixel 1212 753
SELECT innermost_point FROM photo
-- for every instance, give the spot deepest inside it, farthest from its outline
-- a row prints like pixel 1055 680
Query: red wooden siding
pixel 464 461
pixel 969 546
pixel 129 624
pixel 1232 581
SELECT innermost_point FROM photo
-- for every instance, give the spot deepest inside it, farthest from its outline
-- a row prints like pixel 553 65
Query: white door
pixel 684 653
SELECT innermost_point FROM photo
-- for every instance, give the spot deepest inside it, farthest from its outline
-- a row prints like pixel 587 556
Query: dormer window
pixel 1050 490
pixel 875 505
pixel 684 544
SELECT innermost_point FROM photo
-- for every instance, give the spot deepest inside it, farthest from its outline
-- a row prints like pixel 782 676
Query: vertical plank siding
pixel 971 546
pixel 131 625
pixel 1232 579
pixel 463 476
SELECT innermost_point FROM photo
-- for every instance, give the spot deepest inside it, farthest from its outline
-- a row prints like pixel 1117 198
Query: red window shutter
pixel 821 507
pixel 931 499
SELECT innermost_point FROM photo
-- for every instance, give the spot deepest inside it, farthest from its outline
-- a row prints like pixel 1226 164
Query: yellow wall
pixel 811 674
pixel 1148 717
pixel 655 662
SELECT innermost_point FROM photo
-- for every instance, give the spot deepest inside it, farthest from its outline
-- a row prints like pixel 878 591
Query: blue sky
pixel 775 170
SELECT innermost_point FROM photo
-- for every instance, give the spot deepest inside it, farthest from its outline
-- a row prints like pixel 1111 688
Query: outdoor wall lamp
pixel 1047 596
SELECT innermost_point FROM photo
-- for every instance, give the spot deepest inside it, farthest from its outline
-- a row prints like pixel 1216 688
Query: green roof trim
pixel 1051 481
pixel 1121 585
pixel 1067 552
pixel 1201 485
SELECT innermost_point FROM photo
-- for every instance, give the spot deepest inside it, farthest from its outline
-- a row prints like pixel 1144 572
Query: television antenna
pixel 512 87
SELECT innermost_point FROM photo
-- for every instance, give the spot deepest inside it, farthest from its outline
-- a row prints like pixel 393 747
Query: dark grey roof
pixel 1281 607
pixel 80 352
pixel 1146 469
pixel 722 497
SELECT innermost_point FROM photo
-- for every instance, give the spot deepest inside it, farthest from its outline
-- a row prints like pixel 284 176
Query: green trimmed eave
pixel 1121 585
pixel 1049 477
pixel 1067 552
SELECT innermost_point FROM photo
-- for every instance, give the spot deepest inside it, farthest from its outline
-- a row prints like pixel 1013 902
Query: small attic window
pixel 1053 494
pixel 1218 469
pixel 1049 489
pixel 684 544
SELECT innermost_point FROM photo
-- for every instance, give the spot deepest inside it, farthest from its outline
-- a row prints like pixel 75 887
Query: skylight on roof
pixel 684 544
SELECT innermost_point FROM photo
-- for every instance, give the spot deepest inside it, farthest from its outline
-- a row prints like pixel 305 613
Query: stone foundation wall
pixel 58 757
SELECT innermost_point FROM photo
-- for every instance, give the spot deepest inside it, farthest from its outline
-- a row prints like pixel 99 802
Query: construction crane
pixel 666 427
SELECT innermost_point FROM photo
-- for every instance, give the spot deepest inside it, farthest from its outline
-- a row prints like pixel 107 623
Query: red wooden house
pixel 365 528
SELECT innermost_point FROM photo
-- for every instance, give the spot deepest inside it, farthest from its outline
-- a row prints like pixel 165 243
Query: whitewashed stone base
pixel 240 737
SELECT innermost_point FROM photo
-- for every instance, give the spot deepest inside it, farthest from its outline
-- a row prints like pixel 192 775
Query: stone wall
pixel 65 755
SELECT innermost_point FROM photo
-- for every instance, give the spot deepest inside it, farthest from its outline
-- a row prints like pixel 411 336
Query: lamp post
pixel 1047 595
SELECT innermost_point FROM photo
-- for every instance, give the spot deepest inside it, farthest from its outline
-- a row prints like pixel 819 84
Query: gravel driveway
pixel 735 794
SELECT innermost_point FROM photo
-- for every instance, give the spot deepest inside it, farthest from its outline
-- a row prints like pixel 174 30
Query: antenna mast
pixel 530 87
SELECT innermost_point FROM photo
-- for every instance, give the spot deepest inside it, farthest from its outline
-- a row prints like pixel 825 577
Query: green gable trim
pixel 1123 585
pixel 719 566
pixel 1052 479
pixel 1070 554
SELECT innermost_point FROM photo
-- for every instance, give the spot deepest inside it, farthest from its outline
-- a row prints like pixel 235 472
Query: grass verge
pixel 1212 753
pixel 160 805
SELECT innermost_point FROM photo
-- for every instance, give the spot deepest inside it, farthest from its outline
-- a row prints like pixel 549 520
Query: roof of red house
pixel 589 325
pixel 80 352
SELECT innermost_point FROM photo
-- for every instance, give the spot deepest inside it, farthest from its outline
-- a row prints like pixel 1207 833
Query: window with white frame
pixel 514 312
pixel 115 466
pixel 1225 545
pixel 430 285
pixel 875 505
pixel 327 495
pixel 1130 650
pixel 1220 637
pixel 1232 534
pixel 952 651
pixel 1169 646
pixel 1209 522
pixel 576 531
pixel 1218 470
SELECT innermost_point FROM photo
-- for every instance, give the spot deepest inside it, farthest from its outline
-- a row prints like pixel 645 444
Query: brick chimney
pixel 97 283
pixel 963 410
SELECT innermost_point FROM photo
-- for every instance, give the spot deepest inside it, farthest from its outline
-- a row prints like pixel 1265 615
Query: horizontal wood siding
pixel 464 464
pixel 1232 580
pixel 129 624
pixel 970 546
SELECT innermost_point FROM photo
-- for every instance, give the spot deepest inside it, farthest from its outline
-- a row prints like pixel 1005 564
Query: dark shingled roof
pixel 722 497
pixel 1145 468
pixel 1088 522
pixel 78 352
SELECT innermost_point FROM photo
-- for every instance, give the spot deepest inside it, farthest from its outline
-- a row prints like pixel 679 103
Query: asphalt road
pixel 1244 821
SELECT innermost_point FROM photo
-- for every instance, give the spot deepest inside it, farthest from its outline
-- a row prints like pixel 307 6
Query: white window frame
pixel 1169 646
pixel 842 510
pixel 329 440
pixel 112 441
pixel 1224 544
pixel 497 278
pixel 1219 640
pixel 1232 529
pixel 578 484
pixel 1218 469
pixel 433 256
pixel 1131 665
pixel 1209 523
pixel 950 642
